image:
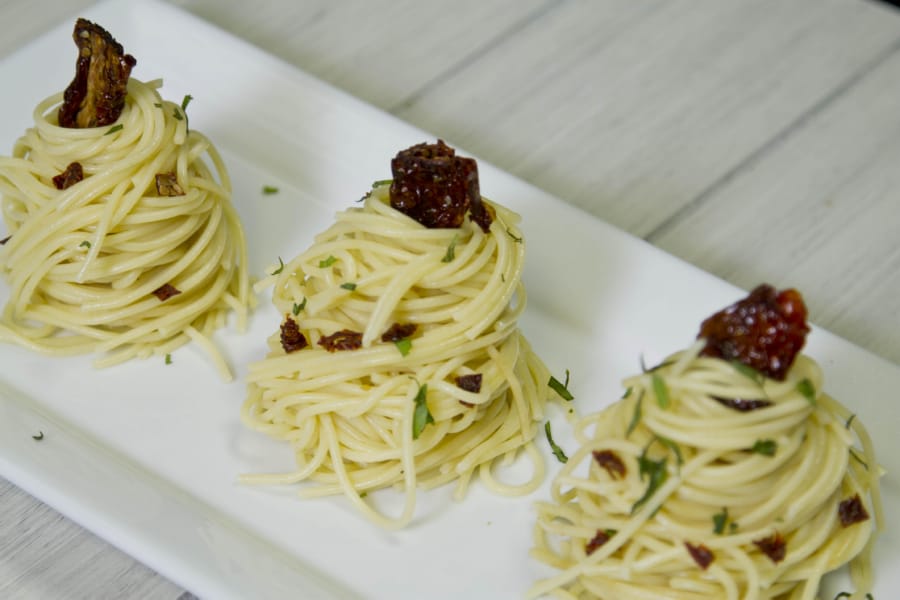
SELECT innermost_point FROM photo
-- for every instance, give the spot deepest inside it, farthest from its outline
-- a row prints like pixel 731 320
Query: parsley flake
pixel 327 262
pixel 168 359
pixel 557 451
pixel 349 286
pixel 381 182
pixel 298 307
pixel 515 238
pixel 280 267
pixel 404 346
pixel 657 473
pixel 451 250
pixel 748 372
pixel 719 521
pixel 561 388
pixel 39 436
pixel 177 114
pixel 660 391
pixel 805 387
pixel 185 101
pixel 268 190
pixel 636 415
pixel 85 244
pixel 421 414
pixel 114 129
pixel 765 447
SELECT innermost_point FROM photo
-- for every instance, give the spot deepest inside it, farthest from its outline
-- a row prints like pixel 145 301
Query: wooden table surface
pixel 756 139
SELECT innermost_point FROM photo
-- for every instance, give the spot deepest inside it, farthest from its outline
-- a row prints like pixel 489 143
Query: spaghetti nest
pixel 117 261
pixel 460 391
pixel 710 481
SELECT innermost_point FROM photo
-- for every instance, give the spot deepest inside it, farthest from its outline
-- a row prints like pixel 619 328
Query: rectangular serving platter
pixel 146 455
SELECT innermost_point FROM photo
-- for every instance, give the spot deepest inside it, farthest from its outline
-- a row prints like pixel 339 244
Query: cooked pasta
pixel 402 409
pixel 113 263
pixel 675 493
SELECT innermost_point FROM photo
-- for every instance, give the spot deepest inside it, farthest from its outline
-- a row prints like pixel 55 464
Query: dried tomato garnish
pixel 470 383
pixel 166 291
pixel 167 185
pixel 702 555
pixel 291 337
pixel 598 540
pixel 852 511
pixel 435 187
pixel 765 331
pixel 96 95
pixel 743 405
pixel 398 331
pixel 773 546
pixel 611 462
pixel 344 339
pixel 72 175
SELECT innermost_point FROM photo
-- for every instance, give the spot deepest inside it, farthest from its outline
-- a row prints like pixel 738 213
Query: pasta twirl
pixel 732 485
pixel 402 410
pixel 88 265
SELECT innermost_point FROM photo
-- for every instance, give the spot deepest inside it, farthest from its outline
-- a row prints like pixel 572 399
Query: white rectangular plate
pixel 146 455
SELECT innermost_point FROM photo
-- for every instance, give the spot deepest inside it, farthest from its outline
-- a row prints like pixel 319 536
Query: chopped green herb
pixel 850 421
pixel 327 262
pixel 280 267
pixel 404 346
pixel 857 458
pixel 636 415
pixel 39 436
pixel 765 447
pixel 732 527
pixel 363 494
pixel 719 521
pixel 158 104
pixel 421 415
pixel 657 474
pixel 451 250
pixel 381 182
pixel 557 451
pixel 660 391
pixel 185 101
pixel 644 368
pixel 805 387
pixel 114 129
pixel 675 448
pixel 516 239
pixel 298 307
pixel 168 359
pixel 177 114
pixel 268 190
pixel 85 244
pixel 748 372
pixel 626 394
pixel 349 286
pixel 561 388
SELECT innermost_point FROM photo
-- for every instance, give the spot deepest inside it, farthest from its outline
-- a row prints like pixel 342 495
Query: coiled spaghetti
pixel 86 264
pixel 354 418
pixel 711 502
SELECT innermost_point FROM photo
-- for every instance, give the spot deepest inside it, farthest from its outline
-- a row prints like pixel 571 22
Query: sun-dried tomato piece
pixel 72 175
pixel 602 536
pixel 291 337
pixel 344 339
pixel 96 96
pixel 167 185
pixel 852 511
pixel 773 546
pixel 610 462
pixel 166 291
pixel 436 188
pixel 702 555
pixel 470 383
pixel 743 404
pixel 765 331
pixel 399 331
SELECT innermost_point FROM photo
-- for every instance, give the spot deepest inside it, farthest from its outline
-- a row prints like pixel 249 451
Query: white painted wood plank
pixel 43 555
pixel 631 109
pixel 381 52
pixel 819 211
